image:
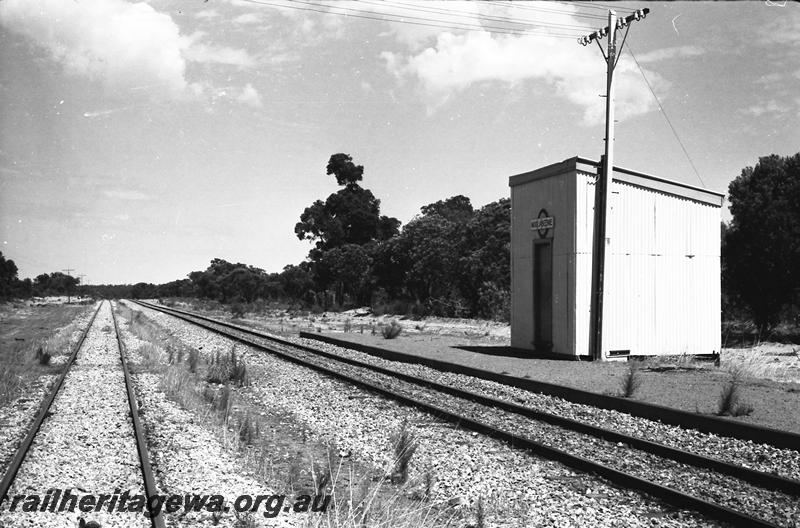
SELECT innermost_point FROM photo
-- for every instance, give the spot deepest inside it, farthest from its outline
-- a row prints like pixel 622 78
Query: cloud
pixel 128 47
pixel 120 43
pixel 207 13
pixel 577 73
pixel 770 107
pixel 671 53
pixel 247 18
pixel 250 96
pixel 123 194
pixel 219 55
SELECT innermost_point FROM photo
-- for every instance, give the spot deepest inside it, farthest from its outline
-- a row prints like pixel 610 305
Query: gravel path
pixel 515 485
pixel 87 442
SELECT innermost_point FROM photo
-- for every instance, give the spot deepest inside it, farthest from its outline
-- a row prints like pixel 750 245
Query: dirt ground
pixel 23 326
pixel 769 373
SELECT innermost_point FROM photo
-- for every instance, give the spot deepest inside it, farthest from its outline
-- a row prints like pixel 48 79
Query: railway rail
pixel 727 492
pixel 82 413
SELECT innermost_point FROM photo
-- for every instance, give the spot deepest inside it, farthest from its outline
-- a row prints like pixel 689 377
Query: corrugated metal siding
pixel 662 272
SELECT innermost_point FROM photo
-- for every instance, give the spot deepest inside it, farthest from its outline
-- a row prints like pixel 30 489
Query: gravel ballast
pixel 87 443
pixel 187 456
pixel 17 416
pixel 514 484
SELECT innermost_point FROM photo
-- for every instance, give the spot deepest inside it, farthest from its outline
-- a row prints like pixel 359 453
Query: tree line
pixel 454 260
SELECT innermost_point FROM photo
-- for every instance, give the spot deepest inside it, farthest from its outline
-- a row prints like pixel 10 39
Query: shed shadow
pixel 507 351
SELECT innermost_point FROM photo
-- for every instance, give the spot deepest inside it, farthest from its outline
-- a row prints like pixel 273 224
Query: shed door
pixel 543 295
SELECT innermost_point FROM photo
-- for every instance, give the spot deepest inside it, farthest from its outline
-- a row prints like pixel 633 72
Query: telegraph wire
pixel 661 108
pixel 493 18
pixel 522 5
pixel 402 19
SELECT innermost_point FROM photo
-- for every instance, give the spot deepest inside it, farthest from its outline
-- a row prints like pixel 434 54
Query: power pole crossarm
pixel 604 175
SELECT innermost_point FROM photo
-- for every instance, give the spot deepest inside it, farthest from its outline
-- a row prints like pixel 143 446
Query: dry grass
pixel 23 359
pixel 631 380
pixel 772 361
pixel 730 401
pixel 355 499
pixel 405 445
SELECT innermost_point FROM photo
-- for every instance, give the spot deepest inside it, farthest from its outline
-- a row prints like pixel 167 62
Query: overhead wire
pixel 524 7
pixel 402 19
pixel 494 18
pixel 664 113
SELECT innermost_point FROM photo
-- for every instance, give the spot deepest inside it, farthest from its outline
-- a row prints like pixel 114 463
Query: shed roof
pixel 620 174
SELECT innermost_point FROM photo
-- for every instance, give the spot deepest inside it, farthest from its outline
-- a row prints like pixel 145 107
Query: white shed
pixel 662 271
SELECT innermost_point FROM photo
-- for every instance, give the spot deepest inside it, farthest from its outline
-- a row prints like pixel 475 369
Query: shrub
pixel 42 357
pixel 237 310
pixel 391 330
pixel 228 369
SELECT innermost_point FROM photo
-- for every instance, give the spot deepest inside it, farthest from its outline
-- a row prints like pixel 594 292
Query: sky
pixel 140 140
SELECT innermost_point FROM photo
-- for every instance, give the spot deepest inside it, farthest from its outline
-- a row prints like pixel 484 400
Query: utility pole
pixel 80 280
pixel 605 171
pixel 68 271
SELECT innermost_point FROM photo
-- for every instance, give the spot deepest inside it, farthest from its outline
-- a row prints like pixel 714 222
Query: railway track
pixel 86 442
pixel 728 492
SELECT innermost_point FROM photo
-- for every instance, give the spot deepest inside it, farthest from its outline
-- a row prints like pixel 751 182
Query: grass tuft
pixel 405 445
pixel 249 430
pixel 194 360
pixel 631 380
pixel 730 401
pixel 229 368
pixel 42 357
pixel 391 330
pixel 480 514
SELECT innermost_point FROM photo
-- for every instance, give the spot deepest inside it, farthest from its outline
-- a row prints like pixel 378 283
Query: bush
pixel 391 330
pixel 229 368
pixel 42 357
pixel 237 310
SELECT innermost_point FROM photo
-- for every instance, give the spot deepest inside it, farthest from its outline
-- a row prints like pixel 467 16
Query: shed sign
pixel 543 223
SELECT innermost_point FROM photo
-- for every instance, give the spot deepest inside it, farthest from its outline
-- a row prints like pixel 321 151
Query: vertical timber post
pixel 604 173
pixel 601 202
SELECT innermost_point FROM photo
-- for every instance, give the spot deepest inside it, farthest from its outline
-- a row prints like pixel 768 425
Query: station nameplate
pixel 543 223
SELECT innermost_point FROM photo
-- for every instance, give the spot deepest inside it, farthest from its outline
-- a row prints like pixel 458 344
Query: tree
pixel 8 276
pixel 485 261
pixel 431 242
pixel 347 270
pixel 349 216
pixel 761 250
pixel 346 172
pixel 456 209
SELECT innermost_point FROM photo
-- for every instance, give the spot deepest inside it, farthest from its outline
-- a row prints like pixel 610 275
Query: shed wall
pixel 662 271
pixel 556 194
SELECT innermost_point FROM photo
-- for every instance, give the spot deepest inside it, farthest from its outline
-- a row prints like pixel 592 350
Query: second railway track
pixel 728 492
pixel 86 442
